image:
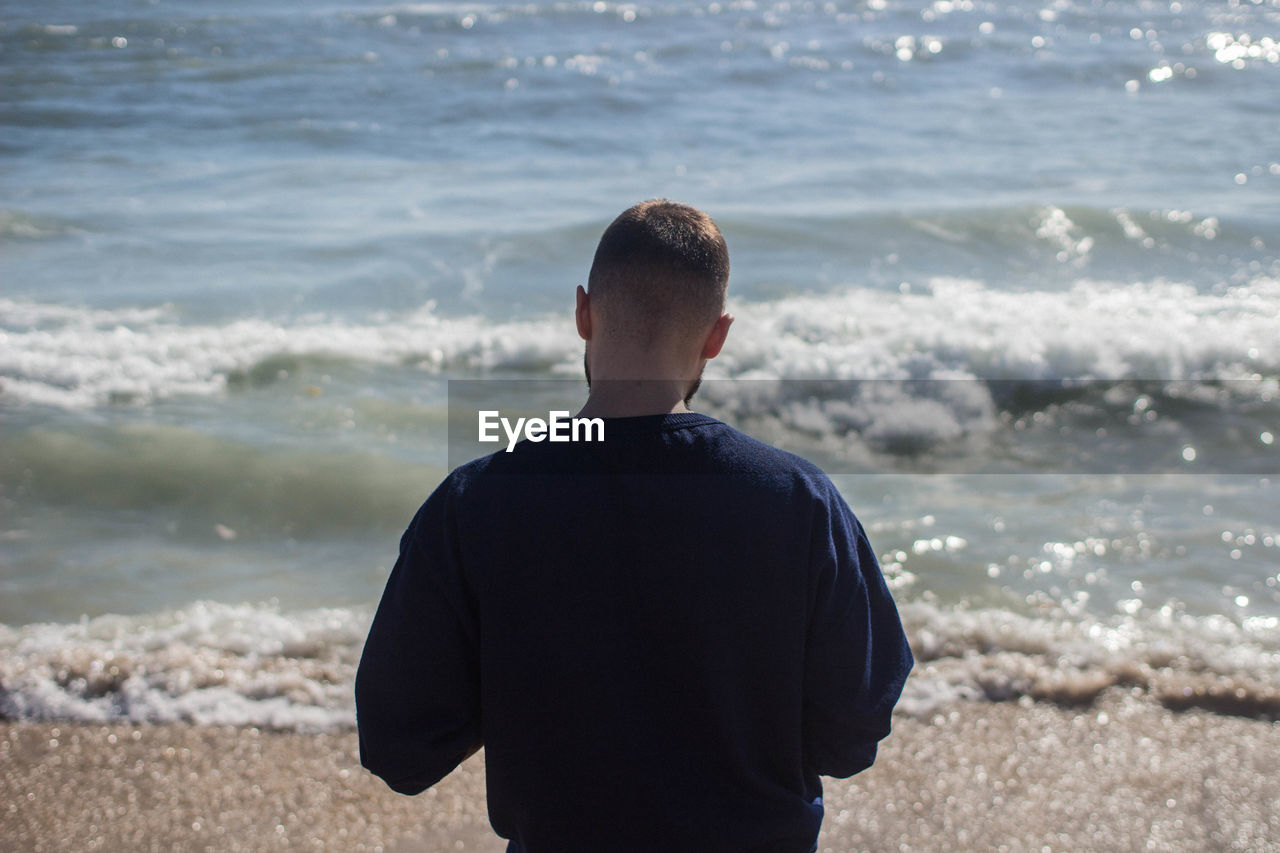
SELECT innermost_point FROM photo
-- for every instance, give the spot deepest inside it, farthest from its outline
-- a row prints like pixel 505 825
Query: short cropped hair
pixel 661 267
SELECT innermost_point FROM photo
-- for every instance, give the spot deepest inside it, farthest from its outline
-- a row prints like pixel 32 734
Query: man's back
pixel 662 640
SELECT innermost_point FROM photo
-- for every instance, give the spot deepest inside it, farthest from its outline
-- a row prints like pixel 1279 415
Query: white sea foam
pixel 254 665
pixel 206 663
pixel 77 358
pixel 963 329
pixel 1175 659
pixel 72 357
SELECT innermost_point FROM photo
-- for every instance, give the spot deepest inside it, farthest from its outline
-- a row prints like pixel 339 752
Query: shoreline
pixel 1123 774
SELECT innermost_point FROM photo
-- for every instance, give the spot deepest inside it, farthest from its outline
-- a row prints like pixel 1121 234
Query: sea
pixel 1009 271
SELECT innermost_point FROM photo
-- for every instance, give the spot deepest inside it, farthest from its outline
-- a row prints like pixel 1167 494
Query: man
pixel 661 639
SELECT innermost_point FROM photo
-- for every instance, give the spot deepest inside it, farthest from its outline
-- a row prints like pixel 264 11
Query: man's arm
pixel 857 657
pixel 418 685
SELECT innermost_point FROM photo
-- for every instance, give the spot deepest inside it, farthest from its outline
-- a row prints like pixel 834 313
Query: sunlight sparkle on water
pixel 1235 50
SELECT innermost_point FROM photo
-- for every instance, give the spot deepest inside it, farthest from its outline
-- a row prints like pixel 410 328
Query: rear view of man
pixel 662 639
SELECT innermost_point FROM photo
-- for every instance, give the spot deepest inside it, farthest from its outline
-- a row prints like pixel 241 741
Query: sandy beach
pixel 1121 775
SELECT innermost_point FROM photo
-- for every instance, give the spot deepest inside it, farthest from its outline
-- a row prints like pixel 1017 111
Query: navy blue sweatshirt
pixel 662 640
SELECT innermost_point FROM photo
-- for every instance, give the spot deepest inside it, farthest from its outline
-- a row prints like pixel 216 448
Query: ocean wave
pixel 964 329
pixel 257 665
pixel 1029 244
pixel 69 357
pixel 53 355
pixel 1076 378
pixel 1180 661
pixel 214 483
pixel 206 663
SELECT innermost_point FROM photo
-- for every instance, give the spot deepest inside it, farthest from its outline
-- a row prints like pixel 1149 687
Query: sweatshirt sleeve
pixel 417 687
pixel 857 657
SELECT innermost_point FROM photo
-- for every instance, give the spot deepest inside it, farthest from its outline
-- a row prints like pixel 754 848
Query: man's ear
pixel 715 339
pixel 582 314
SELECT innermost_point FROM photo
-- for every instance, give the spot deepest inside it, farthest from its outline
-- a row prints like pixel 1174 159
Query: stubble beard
pixel 688 397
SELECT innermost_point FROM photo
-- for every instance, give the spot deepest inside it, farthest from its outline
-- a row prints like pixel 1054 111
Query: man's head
pixel 660 274
pixel 655 308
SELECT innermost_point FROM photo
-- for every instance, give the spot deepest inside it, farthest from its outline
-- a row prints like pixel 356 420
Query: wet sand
pixel 1121 775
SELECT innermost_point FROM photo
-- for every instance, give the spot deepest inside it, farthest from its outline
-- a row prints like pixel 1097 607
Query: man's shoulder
pixel 461 478
pixel 761 457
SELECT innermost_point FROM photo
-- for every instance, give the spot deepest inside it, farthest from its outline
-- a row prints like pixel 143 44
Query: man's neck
pixel 625 398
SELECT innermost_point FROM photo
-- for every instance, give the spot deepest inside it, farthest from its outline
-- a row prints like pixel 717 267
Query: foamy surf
pixel 53 355
pixel 259 665
pixel 76 358
pixel 206 663
pixel 1177 660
